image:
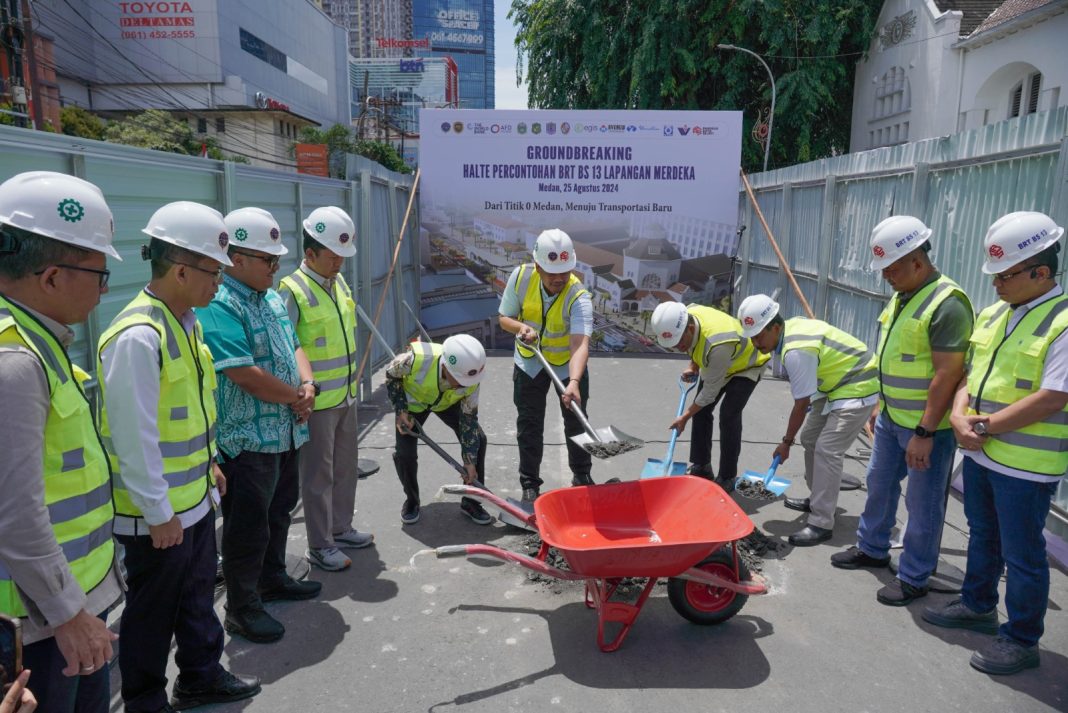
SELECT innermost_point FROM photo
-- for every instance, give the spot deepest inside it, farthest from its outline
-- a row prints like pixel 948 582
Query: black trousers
pixel 171 595
pixel 406 456
pixel 529 397
pixel 734 396
pixel 261 492
pixel 57 693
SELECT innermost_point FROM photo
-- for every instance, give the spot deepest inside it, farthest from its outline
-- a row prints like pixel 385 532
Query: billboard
pixel 650 199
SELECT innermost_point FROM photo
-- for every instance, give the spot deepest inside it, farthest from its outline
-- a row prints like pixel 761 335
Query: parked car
pixel 614 342
pixel 645 341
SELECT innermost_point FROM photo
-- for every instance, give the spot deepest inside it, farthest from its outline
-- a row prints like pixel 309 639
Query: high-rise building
pixel 463 30
pixel 376 28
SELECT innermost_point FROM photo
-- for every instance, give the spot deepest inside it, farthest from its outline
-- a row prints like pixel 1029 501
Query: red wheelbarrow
pixel 673 527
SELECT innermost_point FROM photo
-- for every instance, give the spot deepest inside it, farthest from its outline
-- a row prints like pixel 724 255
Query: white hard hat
pixel 896 237
pixel 333 228
pixel 1016 237
pixel 193 226
pixel 464 358
pixel 669 321
pixel 755 312
pixel 554 252
pixel 60 207
pixel 255 229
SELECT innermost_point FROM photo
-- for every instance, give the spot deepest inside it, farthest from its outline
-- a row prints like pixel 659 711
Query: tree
pixel 340 140
pixel 158 130
pixel 626 54
pixel 76 121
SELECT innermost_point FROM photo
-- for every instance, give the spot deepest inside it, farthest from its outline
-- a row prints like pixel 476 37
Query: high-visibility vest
pixel 185 415
pixel 77 481
pixel 846 367
pixel 423 385
pixel 326 330
pixel 553 327
pixel 716 327
pixel 905 362
pixel 1005 369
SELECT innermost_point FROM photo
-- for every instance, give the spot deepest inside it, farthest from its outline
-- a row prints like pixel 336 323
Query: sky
pixel 509 96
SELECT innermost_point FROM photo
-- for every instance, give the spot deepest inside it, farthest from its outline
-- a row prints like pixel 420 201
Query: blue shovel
pixel 656 468
pixel 769 481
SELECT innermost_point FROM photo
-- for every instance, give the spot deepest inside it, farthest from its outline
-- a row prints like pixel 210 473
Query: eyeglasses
pixel 102 275
pixel 271 260
pixel 216 275
pixel 1006 276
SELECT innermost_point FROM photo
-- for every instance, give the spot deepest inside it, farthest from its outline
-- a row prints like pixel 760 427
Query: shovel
pixel 602 442
pixel 654 467
pixel 768 482
pixel 505 517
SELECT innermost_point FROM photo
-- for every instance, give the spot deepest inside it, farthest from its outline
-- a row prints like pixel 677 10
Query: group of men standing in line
pixel 211 382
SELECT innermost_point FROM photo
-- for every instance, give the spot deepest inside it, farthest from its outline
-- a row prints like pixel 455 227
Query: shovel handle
pixel 421 435
pixel 771 471
pixel 685 387
pixel 575 408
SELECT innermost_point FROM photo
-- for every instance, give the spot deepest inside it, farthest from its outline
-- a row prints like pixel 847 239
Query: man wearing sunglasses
pixel 1010 415
pixel 264 398
pixel 57 555
pixel 158 384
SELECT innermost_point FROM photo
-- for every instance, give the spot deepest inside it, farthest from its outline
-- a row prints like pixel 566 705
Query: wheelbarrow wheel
pixel 704 604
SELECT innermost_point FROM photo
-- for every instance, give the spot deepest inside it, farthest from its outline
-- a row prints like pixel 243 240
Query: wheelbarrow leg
pixel 598 592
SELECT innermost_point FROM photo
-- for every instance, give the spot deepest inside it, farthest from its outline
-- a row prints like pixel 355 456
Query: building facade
pixel 463 30
pixel 375 28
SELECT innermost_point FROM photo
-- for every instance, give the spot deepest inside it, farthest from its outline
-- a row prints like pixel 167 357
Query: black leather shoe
pixel 809 536
pixel 255 625
pixel 855 558
pixel 898 593
pixel 799 504
pixel 292 590
pixel 580 479
pixel 229 687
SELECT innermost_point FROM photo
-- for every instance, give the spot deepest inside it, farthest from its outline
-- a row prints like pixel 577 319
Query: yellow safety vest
pixel 717 327
pixel 326 330
pixel 77 481
pixel 552 326
pixel 1007 368
pixel 905 362
pixel 423 385
pixel 186 413
pixel 846 368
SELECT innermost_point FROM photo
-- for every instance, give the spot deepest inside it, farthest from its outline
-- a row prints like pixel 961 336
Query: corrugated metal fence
pixel 136 182
pixel 822 214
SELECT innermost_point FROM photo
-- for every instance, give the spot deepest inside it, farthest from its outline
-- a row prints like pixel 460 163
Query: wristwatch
pixel 315 385
pixel 923 432
pixel 980 428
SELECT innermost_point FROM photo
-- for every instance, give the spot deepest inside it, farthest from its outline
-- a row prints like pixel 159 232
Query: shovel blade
pixel 609 442
pixel 777 485
pixel 509 519
pixel 655 468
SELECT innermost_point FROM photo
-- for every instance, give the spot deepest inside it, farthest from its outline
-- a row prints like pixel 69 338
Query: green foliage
pixel 384 153
pixel 656 54
pixel 153 129
pixel 340 140
pixel 76 121
pixel 6 119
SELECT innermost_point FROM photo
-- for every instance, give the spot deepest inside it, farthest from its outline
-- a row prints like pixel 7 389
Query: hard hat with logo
pixel 60 207
pixel 464 358
pixel 255 229
pixel 669 321
pixel 896 237
pixel 333 228
pixel 193 226
pixel 554 252
pixel 1016 237
pixel 755 313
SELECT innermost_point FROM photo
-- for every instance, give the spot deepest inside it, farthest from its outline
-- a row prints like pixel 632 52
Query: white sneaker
pixel 354 539
pixel 328 558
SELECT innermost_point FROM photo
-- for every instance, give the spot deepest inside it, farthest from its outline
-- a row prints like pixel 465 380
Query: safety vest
pixel 1005 369
pixel 77 481
pixel 186 412
pixel 716 327
pixel 905 362
pixel 552 327
pixel 846 370
pixel 326 330
pixel 423 385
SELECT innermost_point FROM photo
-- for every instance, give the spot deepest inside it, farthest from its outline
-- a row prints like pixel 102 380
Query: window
pixel 220 125
pixel 202 126
pixel 1023 99
pixel 892 95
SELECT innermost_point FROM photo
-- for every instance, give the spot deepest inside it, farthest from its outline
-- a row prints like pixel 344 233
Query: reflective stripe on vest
pixel 77 482
pixel 423 386
pixel 185 415
pixel 1006 368
pixel 906 366
pixel 326 329
pixel 714 327
pixel 551 325
pixel 846 368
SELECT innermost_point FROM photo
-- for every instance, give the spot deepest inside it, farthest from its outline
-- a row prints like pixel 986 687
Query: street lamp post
pixel 771 77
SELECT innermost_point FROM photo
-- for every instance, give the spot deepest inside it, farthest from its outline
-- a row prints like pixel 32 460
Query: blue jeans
pixel 925 500
pixel 1005 520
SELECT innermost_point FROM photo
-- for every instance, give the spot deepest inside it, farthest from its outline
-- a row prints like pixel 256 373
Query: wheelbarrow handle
pixel 575 408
